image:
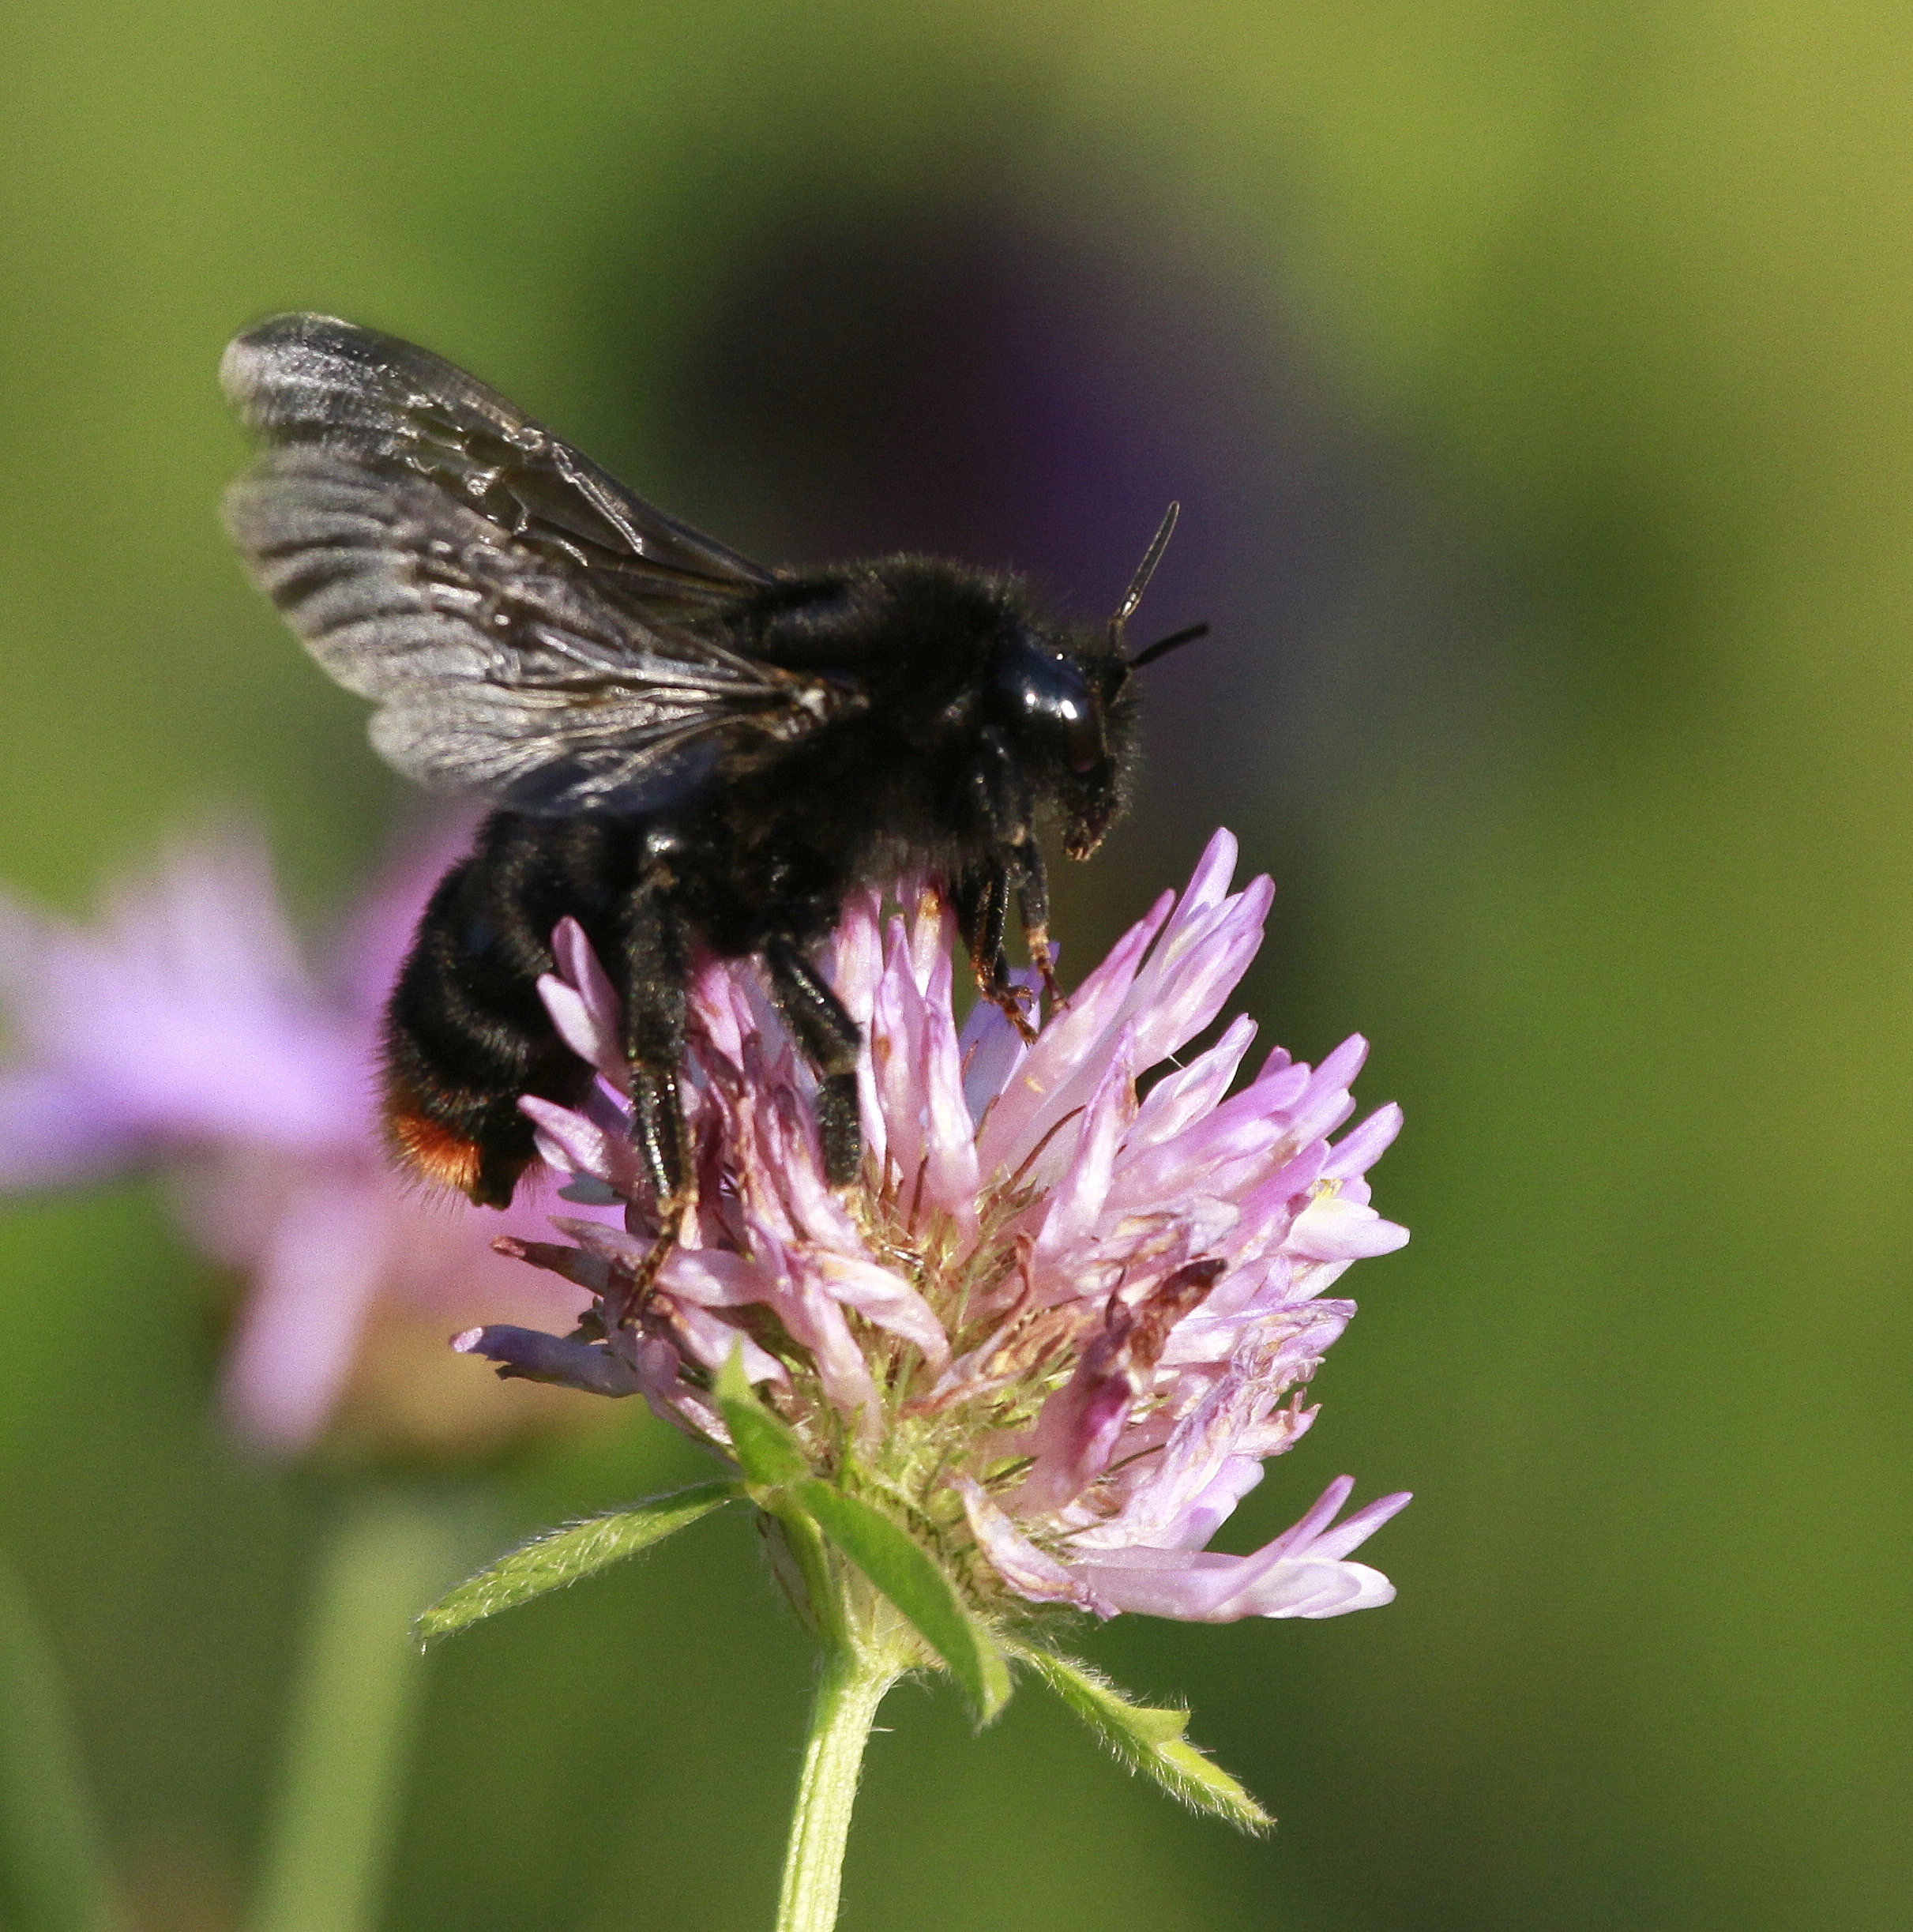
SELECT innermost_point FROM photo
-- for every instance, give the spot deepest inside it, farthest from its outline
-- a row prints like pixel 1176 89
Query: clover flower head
pixel 1064 1319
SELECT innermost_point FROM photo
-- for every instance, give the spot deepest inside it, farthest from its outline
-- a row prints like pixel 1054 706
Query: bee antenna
pixel 1163 646
pixel 1146 570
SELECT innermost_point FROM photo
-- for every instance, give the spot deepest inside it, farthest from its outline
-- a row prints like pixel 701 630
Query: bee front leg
pixel 1033 901
pixel 831 1042
pixel 982 900
pixel 655 966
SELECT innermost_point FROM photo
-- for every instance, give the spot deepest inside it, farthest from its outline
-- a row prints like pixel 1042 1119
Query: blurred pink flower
pixel 1065 1322
pixel 183 1030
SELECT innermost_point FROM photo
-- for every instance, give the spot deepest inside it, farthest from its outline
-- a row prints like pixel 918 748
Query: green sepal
pixel 559 1557
pixel 802 1565
pixel 919 1585
pixel 783 1482
pixel 1147 1739
pixel 764 1445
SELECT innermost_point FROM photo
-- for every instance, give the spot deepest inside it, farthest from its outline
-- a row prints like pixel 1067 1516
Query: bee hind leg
pixel 655 966
pixel 831 1042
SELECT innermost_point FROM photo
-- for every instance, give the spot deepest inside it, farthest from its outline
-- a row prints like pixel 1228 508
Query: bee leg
pixel 655 973
pixel 831 1042
pixel 1033 902
pixel 1003 806
pixel 982 899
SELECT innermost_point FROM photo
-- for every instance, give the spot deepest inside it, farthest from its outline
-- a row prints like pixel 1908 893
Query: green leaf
pixel 54 1874
pixel 803 1567
pixel 765 1446
pixel 918 1586
pixel 1147 1739
pixel 562 1556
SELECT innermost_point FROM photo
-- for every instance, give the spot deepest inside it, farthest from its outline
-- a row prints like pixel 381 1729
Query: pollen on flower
pixel 1061 1323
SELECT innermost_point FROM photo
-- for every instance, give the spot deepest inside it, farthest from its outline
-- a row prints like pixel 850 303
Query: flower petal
pixel 1071 1052
pixel 571 1143
pixel 300 1329
pixel 1018 1562
pixel 1362 1147
pixel 1331 1228
pixel 583 1005
pixel 1180 1099
pixel 1299 1574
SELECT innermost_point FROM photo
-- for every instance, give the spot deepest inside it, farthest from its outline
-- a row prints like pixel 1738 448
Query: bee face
pixel 1093 802
pixel 1046 697
pixel 1062 702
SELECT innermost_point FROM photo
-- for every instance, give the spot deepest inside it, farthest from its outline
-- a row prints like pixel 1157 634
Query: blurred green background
pixel 1534 379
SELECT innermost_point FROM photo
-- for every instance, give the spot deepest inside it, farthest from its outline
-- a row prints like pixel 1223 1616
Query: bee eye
pixel 1051 700
pixel 1084 736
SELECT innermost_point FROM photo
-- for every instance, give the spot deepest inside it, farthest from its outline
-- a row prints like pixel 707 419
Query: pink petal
pixel 571 1143
pixel 1204 947
pixel 1353 1532
pixel 1212 1506
pixel 885 1298
pixel 1078 1197
pixel 1307 1589
pixel 299 1332
pixel 1313 1520
pixel 854 960
pixel 1070 1053
pixel 929 1141
pixel 1179 1099
pixel 933 934
pixel 1026 1569
pixel 55 1131
pixel 1362 1147
pixel 1079 1427
pixel 711 1340
pixel 1331 1228
pixel 583 1005
pixel 1299 1574
pixel 1267 1363
pixel 991 1048
pixel 716 1009
pixel 1326 1103
pixel 1187 979
pixel 1209 883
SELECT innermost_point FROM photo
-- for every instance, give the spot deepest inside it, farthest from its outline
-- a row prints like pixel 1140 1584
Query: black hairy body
pixel 686 750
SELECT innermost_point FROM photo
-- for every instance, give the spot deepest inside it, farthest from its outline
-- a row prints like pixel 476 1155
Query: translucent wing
pixel 529 630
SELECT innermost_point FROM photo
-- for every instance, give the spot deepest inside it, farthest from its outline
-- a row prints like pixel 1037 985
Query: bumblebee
pixel 683 748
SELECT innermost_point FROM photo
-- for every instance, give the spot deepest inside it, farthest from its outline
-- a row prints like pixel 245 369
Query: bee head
pixel 1068 702
pixel 1104 665
pixel 1063 700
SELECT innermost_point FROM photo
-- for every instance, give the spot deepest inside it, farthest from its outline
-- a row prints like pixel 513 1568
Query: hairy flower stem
pixel 849 1686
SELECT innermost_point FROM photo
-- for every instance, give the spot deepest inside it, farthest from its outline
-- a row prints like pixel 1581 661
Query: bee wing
pixel 529 630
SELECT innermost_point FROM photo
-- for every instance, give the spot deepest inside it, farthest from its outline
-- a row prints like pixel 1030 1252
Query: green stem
pixel 350 1730
pixel 849 1688
pixel 55 1872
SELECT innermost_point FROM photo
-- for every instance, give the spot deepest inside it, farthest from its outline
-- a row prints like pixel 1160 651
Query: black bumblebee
pixel 682 747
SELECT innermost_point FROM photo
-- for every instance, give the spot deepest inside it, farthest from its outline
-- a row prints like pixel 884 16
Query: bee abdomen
pixel 466 1034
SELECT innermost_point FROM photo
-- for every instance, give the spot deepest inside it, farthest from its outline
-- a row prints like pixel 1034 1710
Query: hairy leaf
pixel 1147 1739
pixel 918 1586
pixel 766 1447
pixel 562 1556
